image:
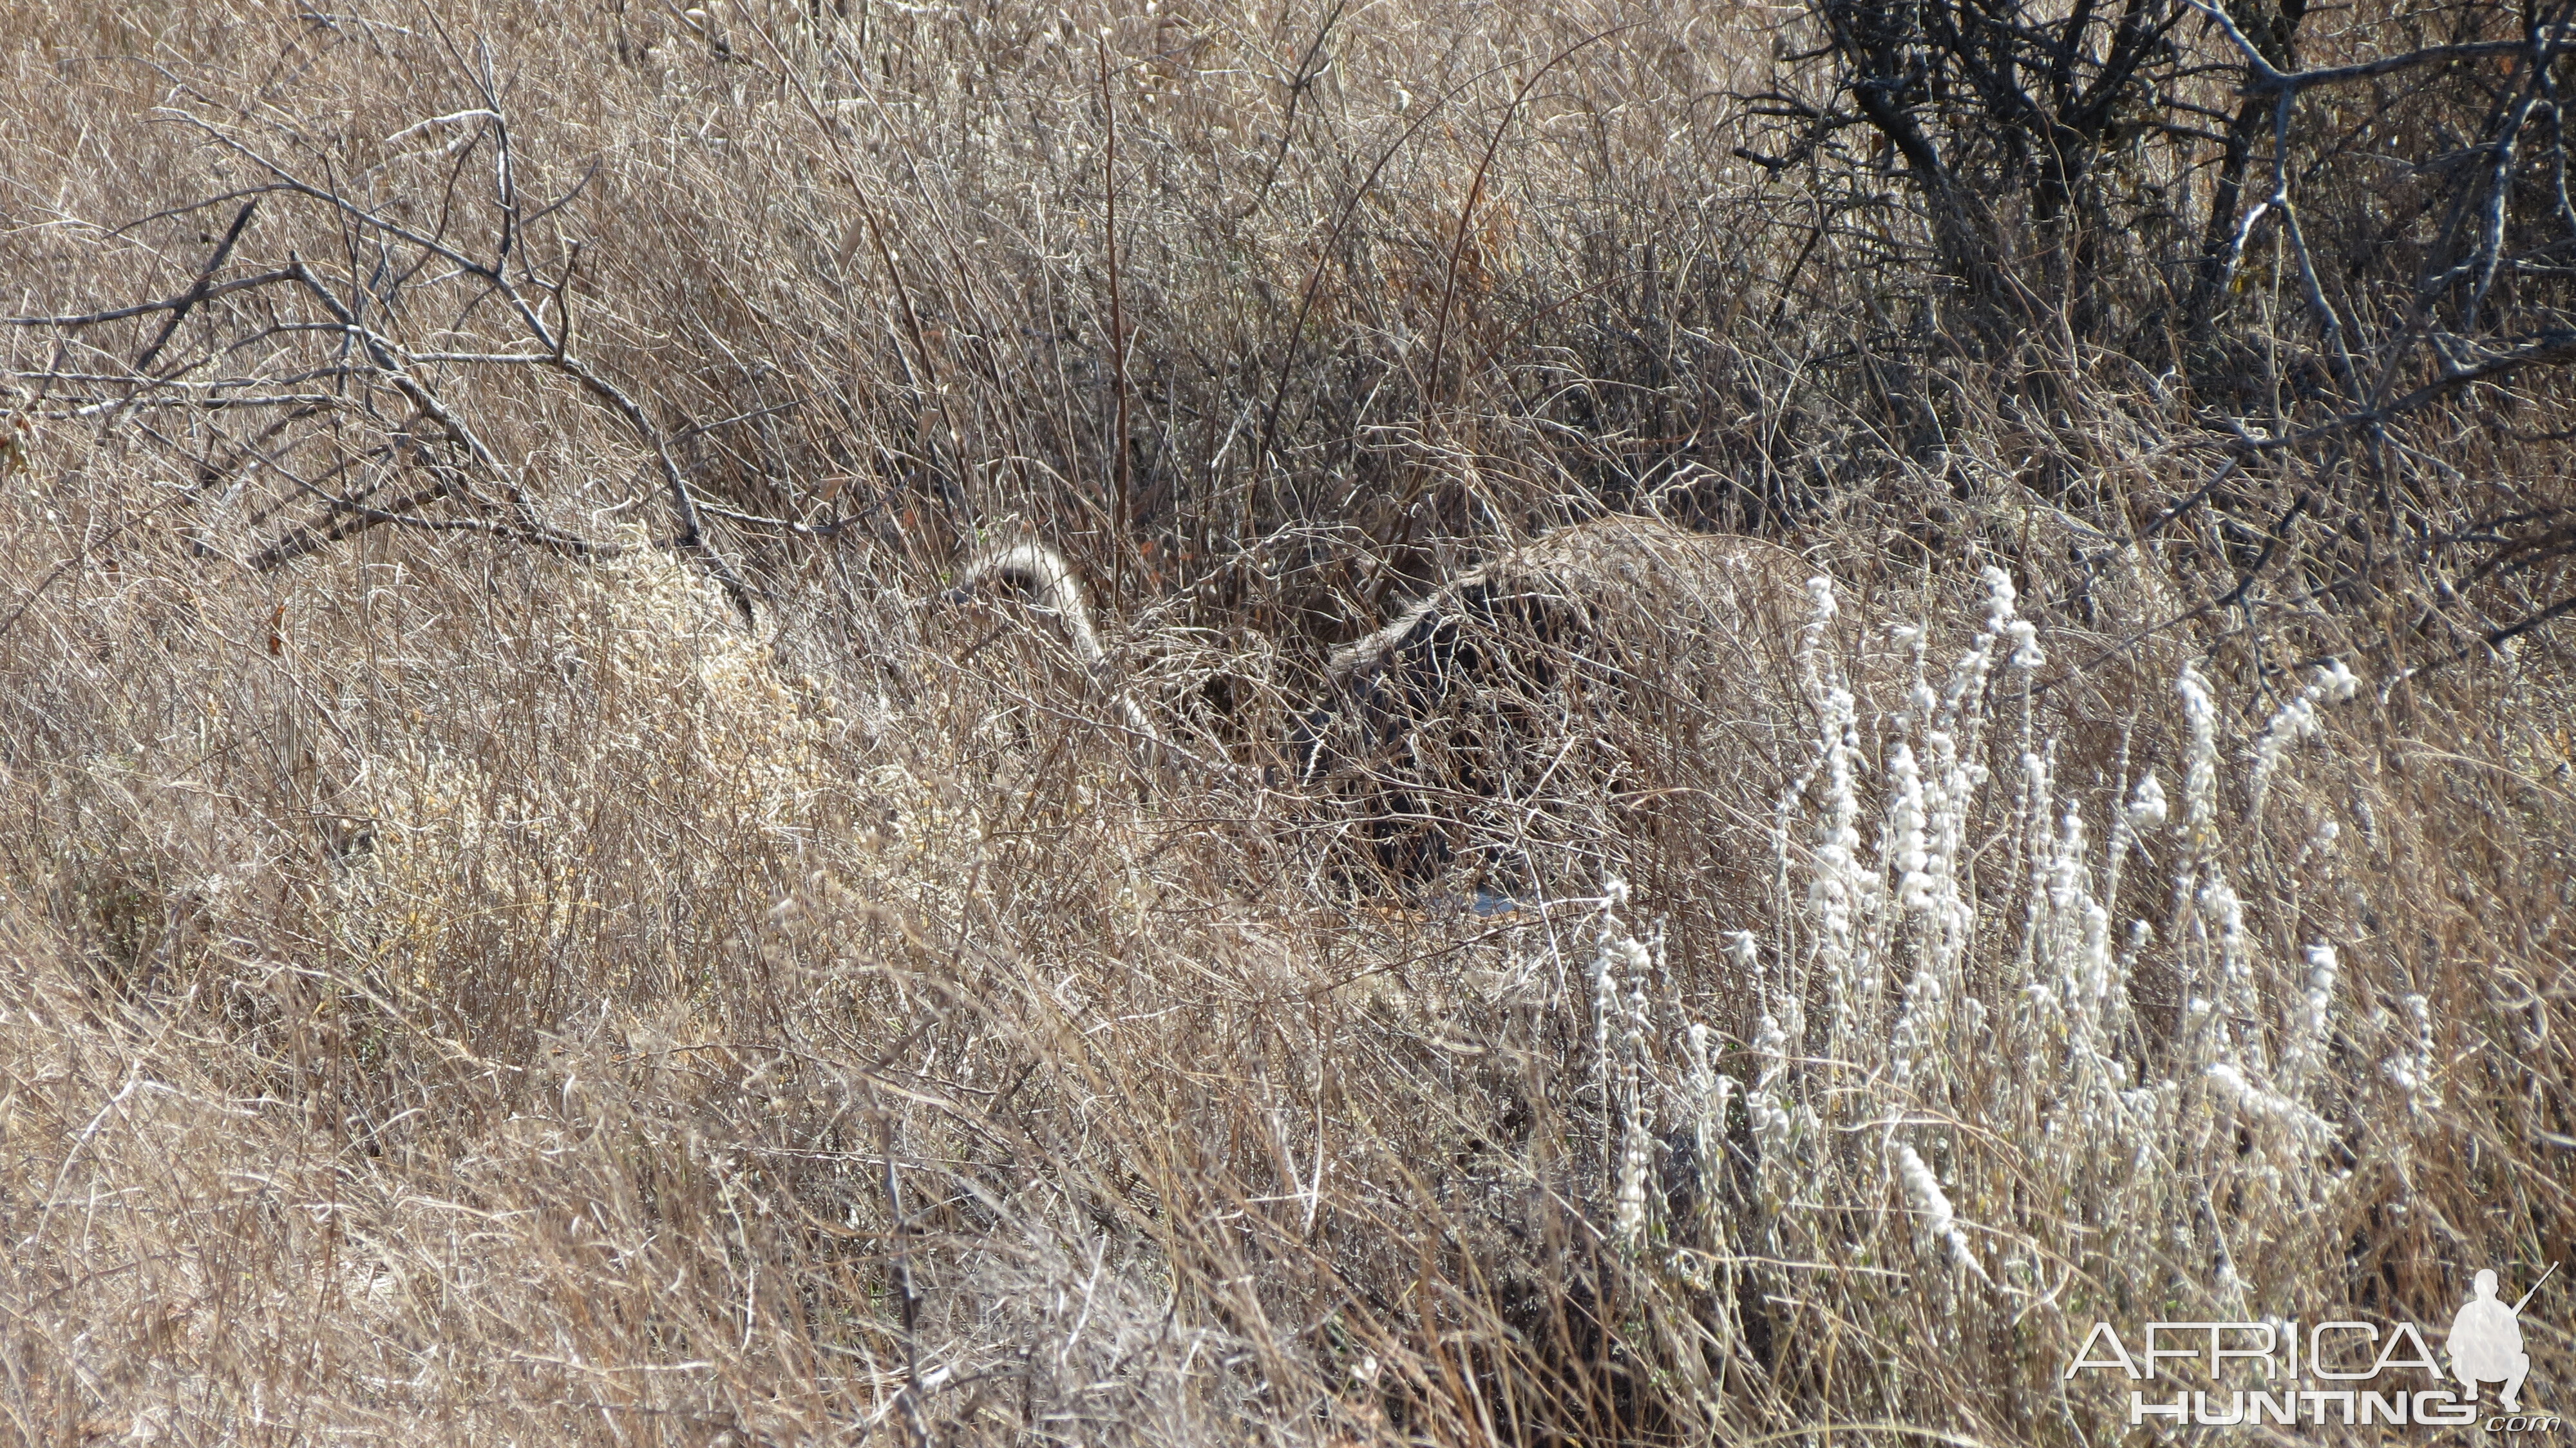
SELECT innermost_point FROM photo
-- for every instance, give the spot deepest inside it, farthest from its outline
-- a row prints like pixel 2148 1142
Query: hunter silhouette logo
pixel 2486 1341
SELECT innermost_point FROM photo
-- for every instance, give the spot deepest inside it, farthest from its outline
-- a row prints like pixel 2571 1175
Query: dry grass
pixel 465 983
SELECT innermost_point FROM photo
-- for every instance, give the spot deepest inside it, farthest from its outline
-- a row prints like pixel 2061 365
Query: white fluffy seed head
pixel 2026 652
pixel 2339 682
pixel 2259 1103
pixel 2000 597
pixel 2200 774
pixel 1746 948
pixel 1820 593
pixel 1923 1189
pixel 2147 809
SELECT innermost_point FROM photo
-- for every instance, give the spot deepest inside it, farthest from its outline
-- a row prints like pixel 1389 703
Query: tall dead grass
pixel 465 982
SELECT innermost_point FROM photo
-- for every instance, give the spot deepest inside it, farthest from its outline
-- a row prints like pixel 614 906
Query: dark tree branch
pixel 186 299
pixel 2268 81
pixel 197 293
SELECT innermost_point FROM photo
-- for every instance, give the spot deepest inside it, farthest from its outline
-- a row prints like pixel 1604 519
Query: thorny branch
pixel 2017 141
pixel 362 316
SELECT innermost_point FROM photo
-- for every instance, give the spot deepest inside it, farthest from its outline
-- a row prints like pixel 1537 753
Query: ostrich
pixel 1616 680
pixel 1051 585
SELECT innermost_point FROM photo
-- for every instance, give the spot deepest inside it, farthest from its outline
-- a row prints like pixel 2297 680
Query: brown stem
pixel 1118 519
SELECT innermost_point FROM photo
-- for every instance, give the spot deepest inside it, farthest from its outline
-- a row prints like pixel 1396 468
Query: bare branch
pixel 2539 349
pixel 185 299
pixel 197 293
pixel 2491 639
pixel 2265 84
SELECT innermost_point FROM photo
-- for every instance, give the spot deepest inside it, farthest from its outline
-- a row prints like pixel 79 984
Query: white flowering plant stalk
pixel 2018 1047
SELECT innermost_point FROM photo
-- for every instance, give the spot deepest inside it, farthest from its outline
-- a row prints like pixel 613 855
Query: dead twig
pixel 189 298
pixel 1121 462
